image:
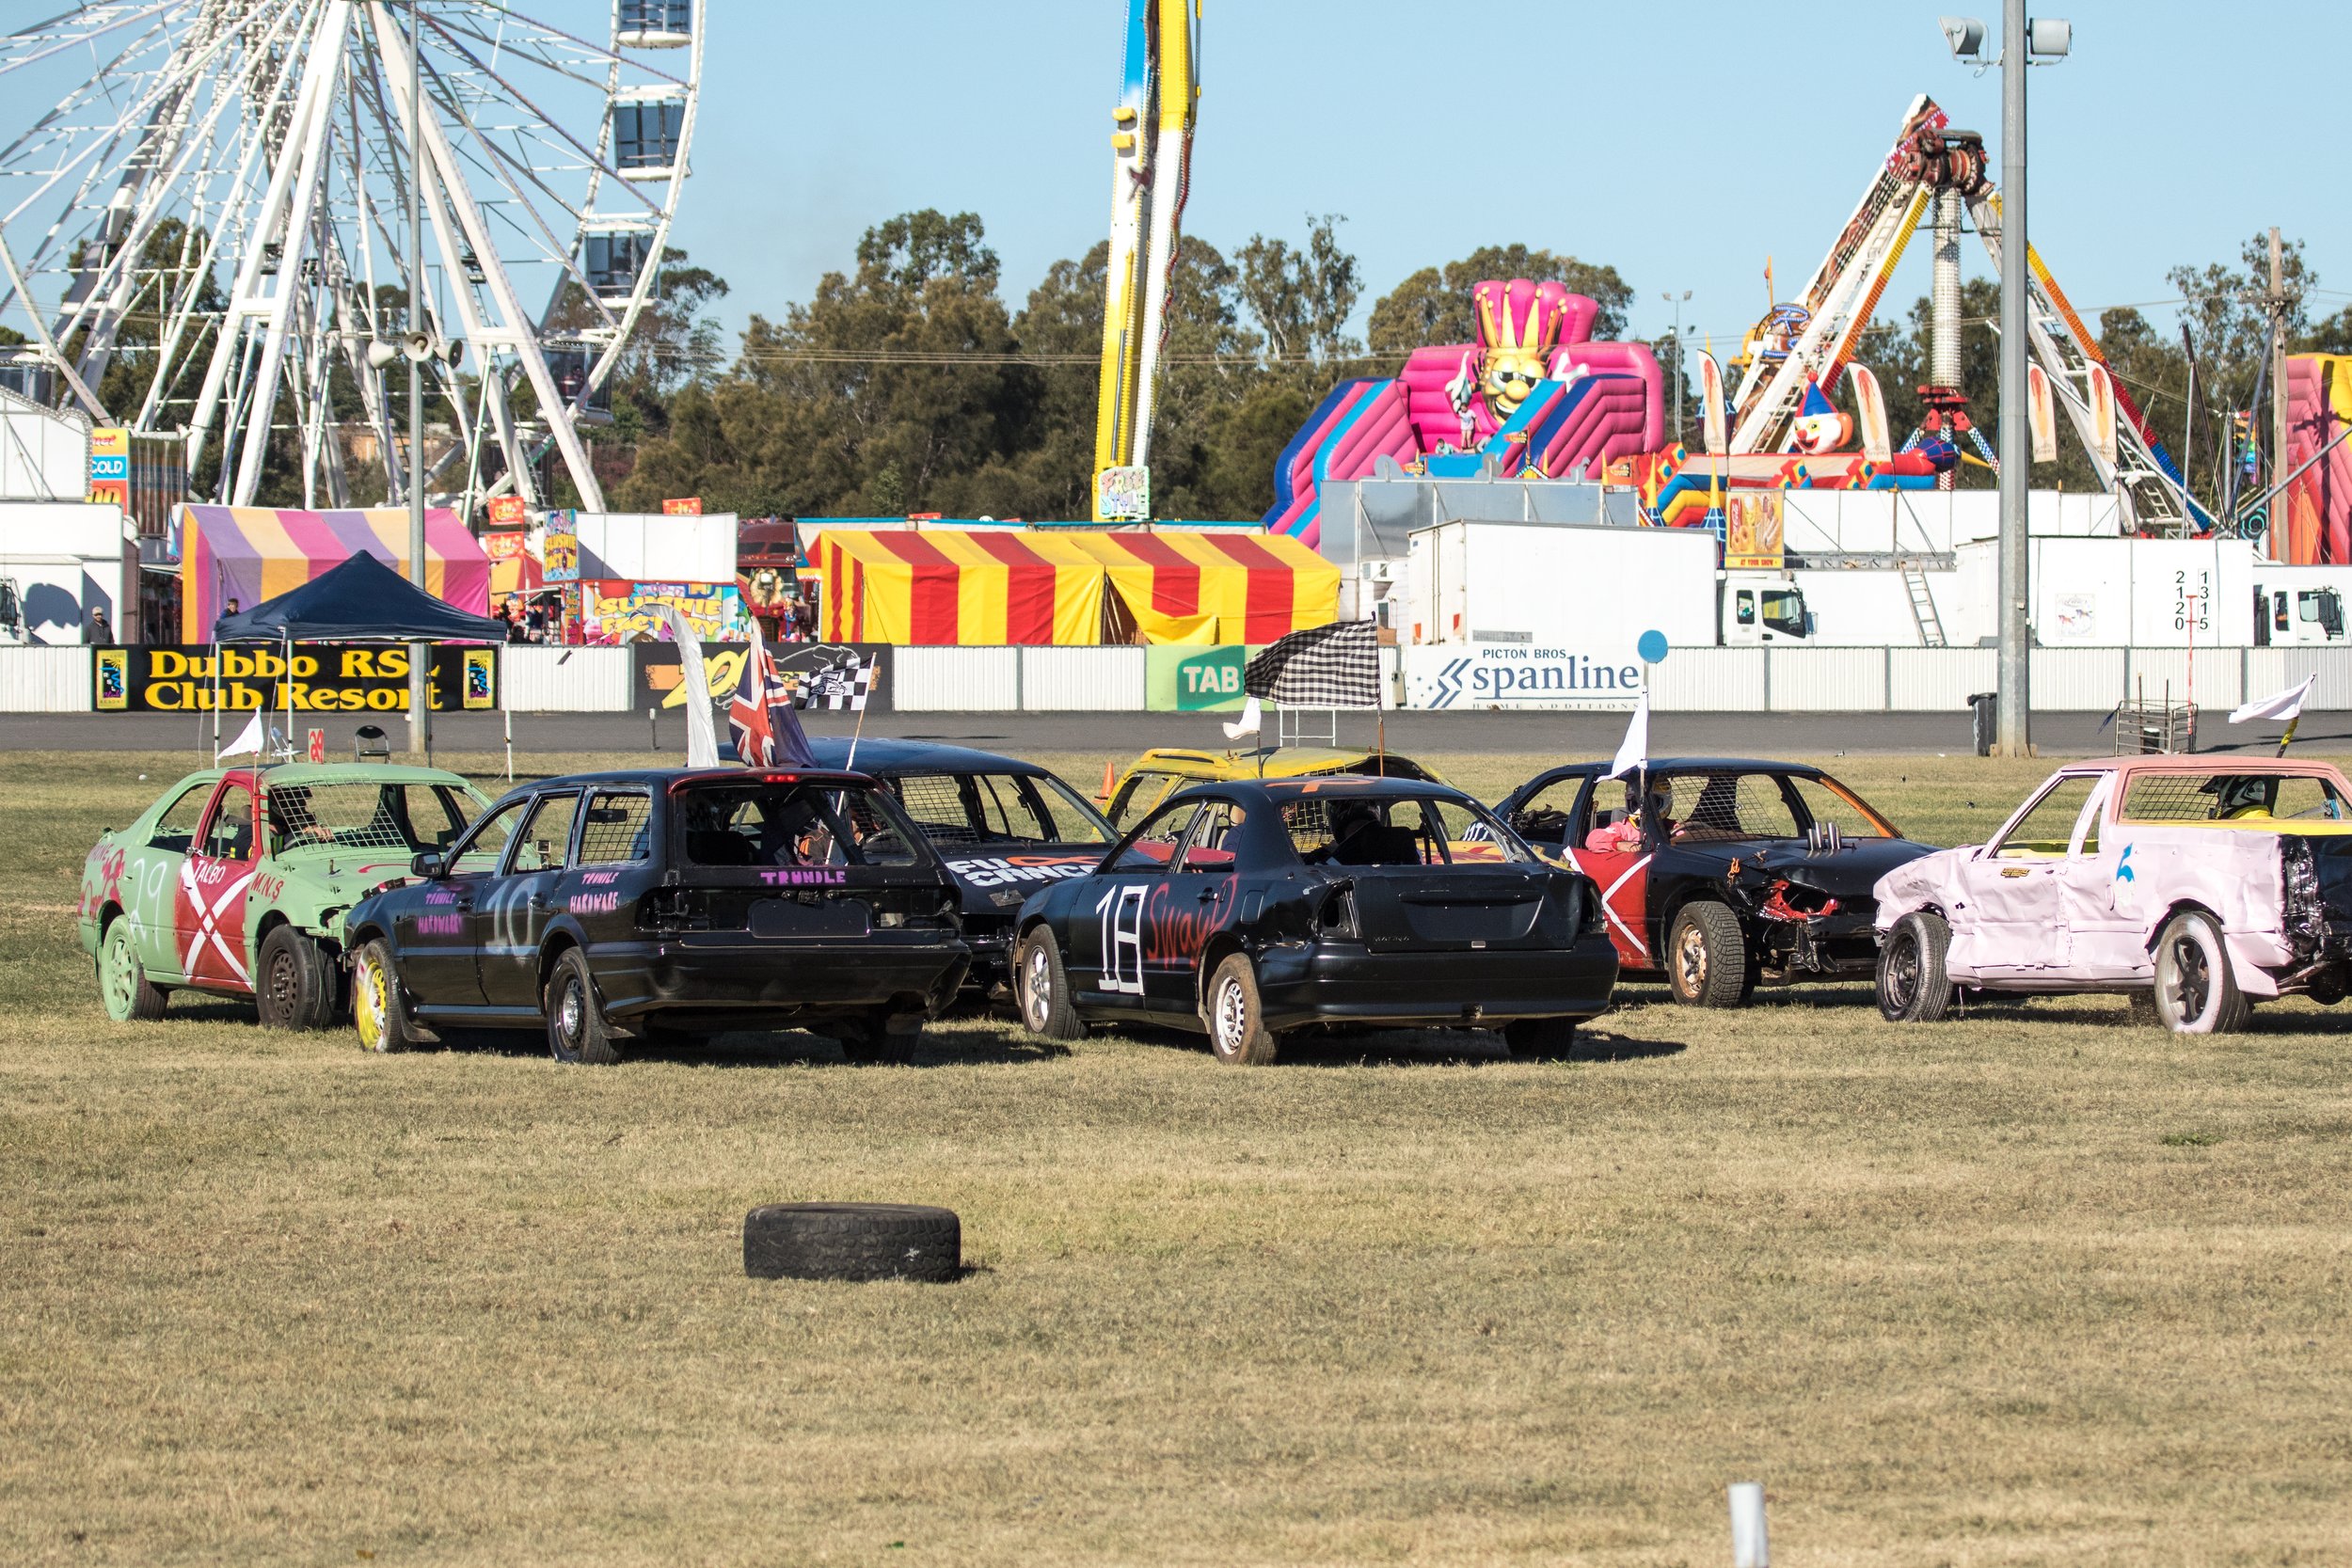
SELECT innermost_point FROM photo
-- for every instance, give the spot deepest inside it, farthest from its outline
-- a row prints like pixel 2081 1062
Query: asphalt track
pixel 1565 735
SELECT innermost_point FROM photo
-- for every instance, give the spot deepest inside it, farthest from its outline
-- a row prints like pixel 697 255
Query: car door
pixel 1612 844
pixel 1106 957
pixel 436 931
pixel 1187 905
pixel 2015 922
pixel 209 908
pixel 150 887
pixel 514 920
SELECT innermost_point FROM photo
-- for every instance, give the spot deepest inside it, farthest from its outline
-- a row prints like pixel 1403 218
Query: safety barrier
pixel 44 680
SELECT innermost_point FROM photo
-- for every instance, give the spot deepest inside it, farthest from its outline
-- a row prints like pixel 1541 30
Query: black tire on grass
pixel 1707 957
pixel 1912 987
pixel 852 1241
pixel 296 986
pixel 1530 1039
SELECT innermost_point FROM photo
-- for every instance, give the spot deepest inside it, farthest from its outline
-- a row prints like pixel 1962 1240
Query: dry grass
pixel 2032 1287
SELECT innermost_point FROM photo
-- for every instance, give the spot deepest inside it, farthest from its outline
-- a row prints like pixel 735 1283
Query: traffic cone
pixel 1111 783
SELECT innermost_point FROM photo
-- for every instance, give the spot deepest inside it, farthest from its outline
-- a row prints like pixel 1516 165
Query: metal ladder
pixel 1923 609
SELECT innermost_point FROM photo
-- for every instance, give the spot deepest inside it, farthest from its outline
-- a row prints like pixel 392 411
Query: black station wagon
pixel 668 905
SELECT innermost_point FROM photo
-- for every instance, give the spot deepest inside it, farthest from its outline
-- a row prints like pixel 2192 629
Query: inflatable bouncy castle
pixel 1534 392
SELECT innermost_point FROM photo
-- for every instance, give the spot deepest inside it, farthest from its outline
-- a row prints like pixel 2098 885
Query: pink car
pixel 2200 884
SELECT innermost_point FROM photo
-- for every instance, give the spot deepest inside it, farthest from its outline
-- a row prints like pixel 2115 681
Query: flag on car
pixel 841 687
pixel 1333 666
pixel 2287 704
pixel 1634 751
pixel 766 732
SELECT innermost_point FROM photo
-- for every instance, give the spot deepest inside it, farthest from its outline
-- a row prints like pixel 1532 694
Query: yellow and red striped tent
pixel 1069 587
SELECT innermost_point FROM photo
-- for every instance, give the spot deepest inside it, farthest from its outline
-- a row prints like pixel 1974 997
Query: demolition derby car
pixel 1003 827
pixel 1160 772
pixel 235 881
pixel 1245 911
pixel 1718 873
pixel 667 905
pixel 2201 884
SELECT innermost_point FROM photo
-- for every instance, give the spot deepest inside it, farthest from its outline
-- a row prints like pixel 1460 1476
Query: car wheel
pixel 576 1032
pixel 1707 957
pixel 378 1011
pixel 122 982
pixel 1913 986
pixel 2197 992
pixel 1237 1031
pixel 1042 988
pixel 879 1041
pixel 297 990
pixel 852 1241
pixel 1533 1038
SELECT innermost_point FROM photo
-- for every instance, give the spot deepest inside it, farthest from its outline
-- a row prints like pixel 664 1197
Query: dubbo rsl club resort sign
pixel 326 677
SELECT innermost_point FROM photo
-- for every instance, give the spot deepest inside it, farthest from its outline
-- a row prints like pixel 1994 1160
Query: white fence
pixel 44 680
pixel 566 680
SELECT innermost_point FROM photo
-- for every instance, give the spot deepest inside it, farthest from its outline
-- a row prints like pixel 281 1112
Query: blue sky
pixel 1679 143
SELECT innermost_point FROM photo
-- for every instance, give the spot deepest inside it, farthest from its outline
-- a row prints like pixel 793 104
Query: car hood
pixel 984 871
pixel 330 876
pixel 1850 873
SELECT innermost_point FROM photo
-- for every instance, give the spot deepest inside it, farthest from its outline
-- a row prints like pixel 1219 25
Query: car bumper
pixel 1324 985
pixel 740 976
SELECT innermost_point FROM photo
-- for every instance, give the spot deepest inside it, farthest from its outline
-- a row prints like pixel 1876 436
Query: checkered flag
pixel 841 687
pixel 1333 666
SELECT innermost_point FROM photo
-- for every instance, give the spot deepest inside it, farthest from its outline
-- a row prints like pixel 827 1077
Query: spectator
pixel 97 634
pixel 233 608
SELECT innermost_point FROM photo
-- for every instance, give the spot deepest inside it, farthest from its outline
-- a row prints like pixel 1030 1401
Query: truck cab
pixel 1761 607
pixel 2298 617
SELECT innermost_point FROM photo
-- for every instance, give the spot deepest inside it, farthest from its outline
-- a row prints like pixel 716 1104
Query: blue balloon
pixel 1652 647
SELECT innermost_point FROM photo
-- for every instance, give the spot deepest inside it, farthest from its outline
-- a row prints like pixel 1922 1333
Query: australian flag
pixel 766 732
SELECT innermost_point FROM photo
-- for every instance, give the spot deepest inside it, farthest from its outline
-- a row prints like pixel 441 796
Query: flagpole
pixel 859 732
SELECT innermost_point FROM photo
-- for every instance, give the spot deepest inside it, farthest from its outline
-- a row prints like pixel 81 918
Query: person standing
pixel 97 633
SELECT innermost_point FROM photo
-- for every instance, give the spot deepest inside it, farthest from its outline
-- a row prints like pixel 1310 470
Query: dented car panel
pixel 2072 891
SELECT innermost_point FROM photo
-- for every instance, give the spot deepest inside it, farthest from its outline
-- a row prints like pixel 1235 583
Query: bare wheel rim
pixel 1037 981
pixel 368 1005
pixel 284 983
pixel 1233 1015
pixel 1690 958
pixel 1902 972
pixel 570 1014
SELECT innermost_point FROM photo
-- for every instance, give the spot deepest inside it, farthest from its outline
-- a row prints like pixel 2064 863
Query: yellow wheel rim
pixel 369 1012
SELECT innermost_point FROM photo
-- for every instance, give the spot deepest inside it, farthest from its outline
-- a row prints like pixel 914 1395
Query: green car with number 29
pixel 237 881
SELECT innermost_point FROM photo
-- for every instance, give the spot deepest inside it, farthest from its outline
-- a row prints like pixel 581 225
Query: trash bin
pixel 1984 719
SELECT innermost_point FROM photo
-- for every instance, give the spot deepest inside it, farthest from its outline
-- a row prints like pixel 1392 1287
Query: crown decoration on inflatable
pixel 1519 328
pixel 1819 426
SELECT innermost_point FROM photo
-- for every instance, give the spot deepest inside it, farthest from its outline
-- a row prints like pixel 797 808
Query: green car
pixel 235 883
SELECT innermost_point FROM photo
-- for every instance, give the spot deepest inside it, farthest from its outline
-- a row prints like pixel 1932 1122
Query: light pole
pixel 2021 40
pixel 1678 302
pixel 420 654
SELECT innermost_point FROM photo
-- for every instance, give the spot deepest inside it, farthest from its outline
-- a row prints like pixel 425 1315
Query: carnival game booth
pixel 252 554
pixel 1069 587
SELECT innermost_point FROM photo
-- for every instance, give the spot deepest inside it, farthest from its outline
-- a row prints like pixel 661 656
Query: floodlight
pixel 1965 34
pixel 2049 37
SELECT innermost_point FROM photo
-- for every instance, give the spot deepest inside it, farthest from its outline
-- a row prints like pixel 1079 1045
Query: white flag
pixel 1252 719
pixel 2287 704
pixel 701 736
pixel 248 739
pixel 1634 751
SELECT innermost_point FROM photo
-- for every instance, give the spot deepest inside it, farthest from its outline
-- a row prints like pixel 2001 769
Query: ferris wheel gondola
pixel 202 233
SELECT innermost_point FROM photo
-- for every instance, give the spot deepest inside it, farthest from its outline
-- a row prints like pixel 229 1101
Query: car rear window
pixel 1356 830
pixel 2225 797
pixel 998 808
pixel 774 823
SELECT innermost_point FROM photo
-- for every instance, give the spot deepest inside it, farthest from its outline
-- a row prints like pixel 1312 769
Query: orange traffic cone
pixel 1111 783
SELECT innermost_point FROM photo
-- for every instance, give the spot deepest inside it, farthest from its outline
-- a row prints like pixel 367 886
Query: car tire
pixel 123 983
pixel 886 1041
pixel 379 1008
pixel 1913 986
pixel 576 1031
pixel 852 1241
pixel 2197 992
pixel 1707 957
pixel 1041 989
pixel 1533 1038
pixel 294 987
pixel 1230 1012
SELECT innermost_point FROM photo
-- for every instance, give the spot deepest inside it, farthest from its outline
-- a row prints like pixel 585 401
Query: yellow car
pixel 1163 770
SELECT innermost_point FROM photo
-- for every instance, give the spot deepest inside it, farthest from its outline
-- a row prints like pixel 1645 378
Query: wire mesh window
pixel 1361 830
pixel 616 830
pixel 791 825
pixel 997 808
pixel 1699 807
pixel 365 816
pixel 2230 797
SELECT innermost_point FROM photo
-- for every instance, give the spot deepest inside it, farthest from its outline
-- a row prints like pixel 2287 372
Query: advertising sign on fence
pixel 326 677
pixel 1754 530
pixel 560 550
pixel 1193 678
pixel 661 680
pixel 1520 676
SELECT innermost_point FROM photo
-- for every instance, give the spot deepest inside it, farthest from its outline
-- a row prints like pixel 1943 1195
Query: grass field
pixel 2033 1287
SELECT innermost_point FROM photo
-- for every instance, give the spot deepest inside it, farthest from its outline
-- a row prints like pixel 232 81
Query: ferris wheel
pixel 204 225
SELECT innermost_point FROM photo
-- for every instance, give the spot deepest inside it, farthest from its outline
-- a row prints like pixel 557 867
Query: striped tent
pixel 252 553
pixel 1194 587
pixel 946 585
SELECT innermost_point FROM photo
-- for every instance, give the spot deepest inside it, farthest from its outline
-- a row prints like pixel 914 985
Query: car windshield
pixel 366 814
pixel 955 809
pixel 2221 795
pixel 1360 830
pixel 773 822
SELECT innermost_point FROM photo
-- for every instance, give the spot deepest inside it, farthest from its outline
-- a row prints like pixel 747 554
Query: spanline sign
pixel 326 677
pixel 1472 675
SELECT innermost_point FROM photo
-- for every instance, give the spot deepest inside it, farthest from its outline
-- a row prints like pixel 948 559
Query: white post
pixel 1749 1547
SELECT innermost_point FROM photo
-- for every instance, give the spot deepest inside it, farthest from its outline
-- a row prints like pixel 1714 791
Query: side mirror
pixel 427 865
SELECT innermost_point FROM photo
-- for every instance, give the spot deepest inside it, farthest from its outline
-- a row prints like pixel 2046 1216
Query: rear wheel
pixel 576 1031
pixel 2196 993
pixel 378 1011
pixel 1043 989
pixel 1912 987
pixel 1237 1031
pixel 1533 1038
pixel 122 982
pixel 1707 957
pixel 880 1041
pixel 296 988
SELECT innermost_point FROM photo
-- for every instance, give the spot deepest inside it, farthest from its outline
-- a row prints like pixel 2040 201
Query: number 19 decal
pixel 1121 909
